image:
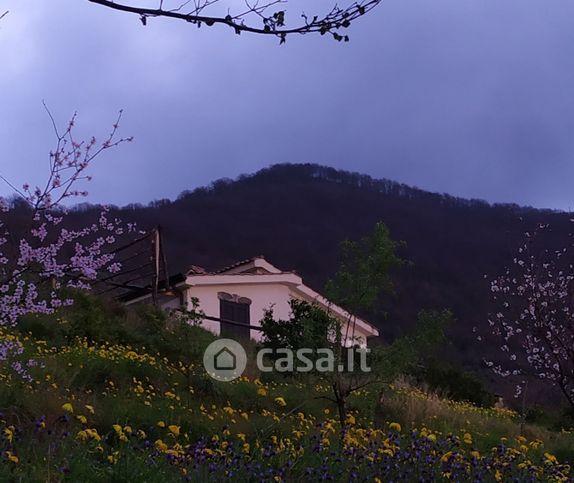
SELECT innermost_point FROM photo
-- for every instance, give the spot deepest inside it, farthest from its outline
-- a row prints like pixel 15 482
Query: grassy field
pixel 103 410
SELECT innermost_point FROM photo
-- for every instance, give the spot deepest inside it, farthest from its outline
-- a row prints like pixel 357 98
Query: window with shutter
pixel 235 312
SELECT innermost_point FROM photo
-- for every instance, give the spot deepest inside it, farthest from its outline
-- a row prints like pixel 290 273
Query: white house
pixel 243 291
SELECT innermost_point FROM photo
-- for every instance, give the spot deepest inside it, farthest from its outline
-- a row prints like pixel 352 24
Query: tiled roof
pixel 197 270
pixel 238 264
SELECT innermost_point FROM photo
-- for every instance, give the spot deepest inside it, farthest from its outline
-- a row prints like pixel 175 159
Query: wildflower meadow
pixel 139 407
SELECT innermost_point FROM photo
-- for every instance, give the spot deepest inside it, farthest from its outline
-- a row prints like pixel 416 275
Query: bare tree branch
pixel 257 19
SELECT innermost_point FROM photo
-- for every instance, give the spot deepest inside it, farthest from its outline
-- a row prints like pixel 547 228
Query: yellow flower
pixel 446 456
pixel 351 419
pixel 161 424
pixel 117 429
pixel 9 433
pixel 174 429
pixel 280 401
pixel 467 438
pixel 68 407
pixel 536 443
pixel 475 454
pixel 498 475
pixel 90 408
pixel 113 458
pixel 93 433
pixel 261 391
pixel 12 457
pixel 160 445
pixel 550 458
pixel 82 419
pixel 395 427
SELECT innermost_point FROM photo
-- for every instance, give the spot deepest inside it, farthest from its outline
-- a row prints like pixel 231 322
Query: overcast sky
pixel 470 97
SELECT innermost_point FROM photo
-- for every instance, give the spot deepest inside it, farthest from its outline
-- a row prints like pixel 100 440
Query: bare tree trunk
pixel 341 401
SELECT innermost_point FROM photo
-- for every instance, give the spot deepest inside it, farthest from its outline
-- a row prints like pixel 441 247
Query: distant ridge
pixel 358 180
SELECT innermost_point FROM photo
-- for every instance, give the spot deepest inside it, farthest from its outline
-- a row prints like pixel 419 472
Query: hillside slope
pixel 296 215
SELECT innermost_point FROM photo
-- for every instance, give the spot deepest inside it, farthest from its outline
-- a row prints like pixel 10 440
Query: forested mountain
pixel 296 216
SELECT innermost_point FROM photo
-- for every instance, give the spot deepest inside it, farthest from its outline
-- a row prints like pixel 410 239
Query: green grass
pixel 150 379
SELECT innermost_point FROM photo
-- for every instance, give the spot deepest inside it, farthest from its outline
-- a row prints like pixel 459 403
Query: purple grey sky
pixel 470 97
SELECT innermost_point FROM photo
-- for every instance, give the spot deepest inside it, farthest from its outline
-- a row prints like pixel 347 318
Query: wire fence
pixel 143 268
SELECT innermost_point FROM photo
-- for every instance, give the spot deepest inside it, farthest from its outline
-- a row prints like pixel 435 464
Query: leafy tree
pixel 360 280
pixel 364 275
pixel 364 270
pixel 264 18
pixel 309 326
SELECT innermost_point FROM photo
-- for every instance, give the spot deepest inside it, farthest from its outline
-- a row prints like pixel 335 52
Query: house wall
pixel 262 296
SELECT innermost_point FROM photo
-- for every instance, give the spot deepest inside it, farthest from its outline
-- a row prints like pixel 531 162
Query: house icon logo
pixel 225 360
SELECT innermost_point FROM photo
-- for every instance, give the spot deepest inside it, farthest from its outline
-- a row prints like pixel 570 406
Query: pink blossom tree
pixel 534 321
pixel 40 258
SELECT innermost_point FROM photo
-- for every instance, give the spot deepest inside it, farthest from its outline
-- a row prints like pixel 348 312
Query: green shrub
pixel 453 382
